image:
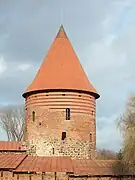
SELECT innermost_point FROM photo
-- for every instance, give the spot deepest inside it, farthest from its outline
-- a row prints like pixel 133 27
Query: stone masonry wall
pixel 43 136
pixel 7 175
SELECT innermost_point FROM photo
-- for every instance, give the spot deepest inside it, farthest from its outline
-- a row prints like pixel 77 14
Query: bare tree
pixel 126 125
pixel 105 154
pixel 12 121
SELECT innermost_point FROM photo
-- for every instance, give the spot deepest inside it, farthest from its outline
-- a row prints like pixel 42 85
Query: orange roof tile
pixel 97 168
pixel 66 164
pixel 61 69
pixel 45 164
pixel 11 161
pixel 25 163
pixel 12 146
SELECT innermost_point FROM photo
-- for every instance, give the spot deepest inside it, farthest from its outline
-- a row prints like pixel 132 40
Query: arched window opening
pixel 67 113
pixel 90 137
pixel 63 135
pixel 33 116
pixel 92 112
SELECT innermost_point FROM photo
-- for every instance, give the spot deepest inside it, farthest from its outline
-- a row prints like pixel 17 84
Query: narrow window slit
pixel 33 116
pixel 53 150
pixel 67 113
pixel 1 173
pixel 90 137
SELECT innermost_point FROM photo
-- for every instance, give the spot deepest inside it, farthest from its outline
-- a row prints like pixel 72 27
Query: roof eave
pixel 27 93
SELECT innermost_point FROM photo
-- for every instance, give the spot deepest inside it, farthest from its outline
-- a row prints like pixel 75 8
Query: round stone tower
pixel 60 105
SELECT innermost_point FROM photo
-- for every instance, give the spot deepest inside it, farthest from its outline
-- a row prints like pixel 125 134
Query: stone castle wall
pixel 44 133
pixel 7 175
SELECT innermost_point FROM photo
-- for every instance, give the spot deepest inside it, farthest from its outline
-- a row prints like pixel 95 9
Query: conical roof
pixel 61 69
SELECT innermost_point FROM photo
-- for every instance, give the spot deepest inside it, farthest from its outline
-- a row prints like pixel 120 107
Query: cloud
pixel 107 130
pixel 3 65
pixel 23 67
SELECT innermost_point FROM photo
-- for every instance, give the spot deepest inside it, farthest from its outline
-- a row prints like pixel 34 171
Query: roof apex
pixel 61 33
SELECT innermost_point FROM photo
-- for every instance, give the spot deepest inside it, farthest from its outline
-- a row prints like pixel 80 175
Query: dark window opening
pixel 67 113
pixel 47 95
pixel 92 112
pixel 53 150
pixel 79 95
pixel 63 135
pixel 33 116
pixel 30 177
pixel 17 176
pixel 90 137
pixel 55 176
pixel 1 173
pixel 63 94
pixel 40 123
pixel 43 176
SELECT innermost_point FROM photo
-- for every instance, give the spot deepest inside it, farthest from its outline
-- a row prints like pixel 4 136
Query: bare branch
pixel 106 154
pixel 12 122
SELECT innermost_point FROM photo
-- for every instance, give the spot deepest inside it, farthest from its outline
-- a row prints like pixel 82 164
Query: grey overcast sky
pixel 102 33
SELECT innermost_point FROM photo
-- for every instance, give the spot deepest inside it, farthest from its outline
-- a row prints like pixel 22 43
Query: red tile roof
pixel 11 161
pixel 61 69
pixel 23 163
pixel 91 167
pixel 45 164
pixel 12 146
pixel 100 168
